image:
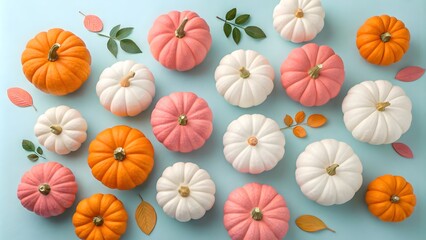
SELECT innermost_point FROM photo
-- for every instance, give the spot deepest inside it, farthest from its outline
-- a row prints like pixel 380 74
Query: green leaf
pixel 255 32
pixel 27 145
pixel 227 29
pixel 236 35
pixel 129 46
pixel 112 47
pixel 231 14
pixel 32 157
pixel 39 150
pixel 114 30
pixel 123 33
pixel 242 19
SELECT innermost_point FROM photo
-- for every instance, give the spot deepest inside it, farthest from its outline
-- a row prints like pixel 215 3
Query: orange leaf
pixel 316 120
pixel 299 132
pixel 288 120
pixel 300 117
pixel 146 217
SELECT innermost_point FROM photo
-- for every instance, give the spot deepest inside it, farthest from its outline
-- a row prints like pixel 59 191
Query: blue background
pixel 22 20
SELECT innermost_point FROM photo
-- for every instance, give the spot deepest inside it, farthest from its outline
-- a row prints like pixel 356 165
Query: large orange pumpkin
pixel 56 62
pixel 383 40
pixel 390 198
pixel 121 157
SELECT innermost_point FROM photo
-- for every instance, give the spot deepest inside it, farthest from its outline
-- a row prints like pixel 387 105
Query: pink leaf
pixel 409 74
pixel 93 23
pixel 20 97
pixel 402 149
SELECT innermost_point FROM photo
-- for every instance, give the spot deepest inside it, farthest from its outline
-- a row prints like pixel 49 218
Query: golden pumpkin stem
pixel 244 73
pixel 314 72
pixel 386 37
pixel 299 13
pixel 182 120
pixel 381 106
pixel 119 154
pixel 256 214
pixel 395 199
pixel 184 191
pixel 44 188
pixel 56 129
pixel 53 55
pixel 252 141
pixel 98 221
pixel 180 32
pixel 125 81
pixel 331 170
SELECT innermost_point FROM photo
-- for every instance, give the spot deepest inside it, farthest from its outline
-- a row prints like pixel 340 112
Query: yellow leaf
pixel 299 132
pixel 288 120
pixel 316 120
pixel 311 223
pixel 300 117
pixel 146 217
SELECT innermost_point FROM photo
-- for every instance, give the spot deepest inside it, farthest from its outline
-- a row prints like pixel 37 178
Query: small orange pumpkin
pixel 390 198
pixel 383 40
pixel 56 62
pixel 101 216
pixel 121 157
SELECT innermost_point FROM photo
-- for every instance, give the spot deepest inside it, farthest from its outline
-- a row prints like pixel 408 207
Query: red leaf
pixel 402 149
pixel 410 74
pixel 93 23
pixel 20 97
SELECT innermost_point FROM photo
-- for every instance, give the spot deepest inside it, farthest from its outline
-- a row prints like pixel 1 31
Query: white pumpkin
pixel 253 144
pixel 377 112
pixel 245 78
pixel 61 129
pixel 126 88
pixel 185 191
pixel 299 20
pixel 329 172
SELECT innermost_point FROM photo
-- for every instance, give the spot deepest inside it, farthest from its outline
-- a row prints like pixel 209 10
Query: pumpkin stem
pixel 180 32
pixel 331 170
pixel 56 129
pixel 182 120
pixel 315 71
pixel 53 55
pixel 184 191
pixel 256 214
pixel 119 154
pixel 98 221
pixel 395 199
pixel 125 81
pixel 299 13
pixel 386 37
pixel 252 141
pixel 44 188
pixel 382 105
pixel 244 73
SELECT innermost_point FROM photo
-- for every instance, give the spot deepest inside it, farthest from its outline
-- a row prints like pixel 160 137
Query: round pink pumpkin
pixel 256 211
pixel 179 40
pixel 47 189
pixel 182 121
pixel 312 74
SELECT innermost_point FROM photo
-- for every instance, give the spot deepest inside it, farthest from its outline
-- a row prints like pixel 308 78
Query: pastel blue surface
pixel 21 20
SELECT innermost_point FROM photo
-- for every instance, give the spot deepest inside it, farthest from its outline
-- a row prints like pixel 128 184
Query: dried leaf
pixel 39 150
pixel 27 145
pixel 410 74
pixel 300 117
pixel 309 223
pixel 236 35
pixel 243 18
pixel 92 23
pixel 32 157
pixel 227 29
pixel 316 120
pixel 299 132
pixel 288 120
pixel 230 15
pixel 146 217
pixel 402 149
pixel 20 97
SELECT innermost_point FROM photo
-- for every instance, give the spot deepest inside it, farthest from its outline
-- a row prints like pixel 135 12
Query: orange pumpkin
pixel 383 40
pixel 121 157
pixel 56 62
pixel 390 198
pixel 101 216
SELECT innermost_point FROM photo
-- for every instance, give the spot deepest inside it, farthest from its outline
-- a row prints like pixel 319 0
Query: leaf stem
pixel 293 125
pixel 103 35
pixel 34 108
pixel 331 230
pixel 233 24
pixel 82 13
pixel 40 155
pixel 140 197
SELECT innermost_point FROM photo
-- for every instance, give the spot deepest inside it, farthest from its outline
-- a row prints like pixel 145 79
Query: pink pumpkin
pixel 180 40
pixel 182 121
pixel 312 74
pixel 47 189
pixel 256 211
